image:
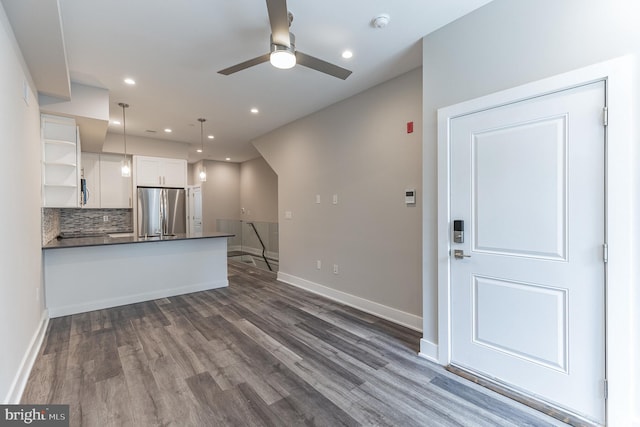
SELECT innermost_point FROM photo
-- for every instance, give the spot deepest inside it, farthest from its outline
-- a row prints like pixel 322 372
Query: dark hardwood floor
pixel 257 353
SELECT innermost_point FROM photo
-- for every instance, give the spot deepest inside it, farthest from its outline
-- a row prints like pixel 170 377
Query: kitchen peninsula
pixel 92 273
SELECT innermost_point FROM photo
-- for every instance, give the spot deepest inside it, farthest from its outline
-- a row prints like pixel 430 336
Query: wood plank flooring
pixel 259 353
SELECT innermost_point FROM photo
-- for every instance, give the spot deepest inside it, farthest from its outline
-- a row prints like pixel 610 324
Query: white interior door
pixel 527 300
pixel 195 209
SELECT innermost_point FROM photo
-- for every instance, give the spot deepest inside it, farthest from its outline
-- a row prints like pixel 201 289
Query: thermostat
pixel 410 196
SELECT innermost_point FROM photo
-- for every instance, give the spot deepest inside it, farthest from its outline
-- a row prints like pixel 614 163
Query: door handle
pixel 459 254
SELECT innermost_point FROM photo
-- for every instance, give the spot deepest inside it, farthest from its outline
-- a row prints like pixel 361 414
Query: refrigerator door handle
pixel 162 213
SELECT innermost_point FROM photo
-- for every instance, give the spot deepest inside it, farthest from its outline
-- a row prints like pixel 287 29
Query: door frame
pixel 620 206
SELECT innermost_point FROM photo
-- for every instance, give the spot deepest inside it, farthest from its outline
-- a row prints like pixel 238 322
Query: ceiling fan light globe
pixel 283 59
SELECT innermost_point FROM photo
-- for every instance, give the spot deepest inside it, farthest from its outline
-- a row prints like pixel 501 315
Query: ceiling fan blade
pixel 246 64
pixel 322 66
pixel 279 20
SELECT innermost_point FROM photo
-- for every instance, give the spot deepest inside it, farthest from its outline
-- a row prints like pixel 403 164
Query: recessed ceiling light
pixel 254 110
pixel 199 150
pixel 228 158
pixel 115 122
pixel 129 81
pixel 347 54
pixel 210 136
pixel 167 130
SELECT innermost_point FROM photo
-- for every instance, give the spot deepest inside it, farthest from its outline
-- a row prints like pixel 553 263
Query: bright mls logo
pixel 34 415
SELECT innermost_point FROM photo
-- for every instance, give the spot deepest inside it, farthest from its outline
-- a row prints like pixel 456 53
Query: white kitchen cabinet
pixel 60 156
pixel 147 171
pixel 115 190
pixel 90 171
pixel 160 172
pixel 174 173
pixel 106 186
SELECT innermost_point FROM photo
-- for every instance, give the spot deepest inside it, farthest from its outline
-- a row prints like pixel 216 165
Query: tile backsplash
pixel 56 221
pixel 50 224
pixel 93 220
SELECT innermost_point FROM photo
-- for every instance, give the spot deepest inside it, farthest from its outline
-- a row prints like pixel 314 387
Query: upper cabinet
pixel 90 172
pixel 60 158
pixel 160 172
pixel 105 185
pixel 115 190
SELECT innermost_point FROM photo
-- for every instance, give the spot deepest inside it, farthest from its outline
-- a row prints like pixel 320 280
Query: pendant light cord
pixel 201 120
pixel 124 127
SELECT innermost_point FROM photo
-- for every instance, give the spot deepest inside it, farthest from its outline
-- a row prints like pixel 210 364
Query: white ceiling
pixel 173 49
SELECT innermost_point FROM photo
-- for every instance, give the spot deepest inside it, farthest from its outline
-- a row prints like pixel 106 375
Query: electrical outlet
pixel 335 268
pixel 318 264
pixel 288 215
pixel 105 218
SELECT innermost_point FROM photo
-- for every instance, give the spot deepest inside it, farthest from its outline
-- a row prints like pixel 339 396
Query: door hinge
pixel 606 389
pixel 605 116
pixel 605 252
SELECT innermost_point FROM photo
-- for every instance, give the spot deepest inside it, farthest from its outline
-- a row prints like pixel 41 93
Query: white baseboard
pixel 29 358
pixel 254 251
pixel 132 299
pixel 385 312
pixel 428 350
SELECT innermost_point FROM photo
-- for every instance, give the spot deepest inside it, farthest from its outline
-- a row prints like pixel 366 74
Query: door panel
pixel 528 165
pixel 527 304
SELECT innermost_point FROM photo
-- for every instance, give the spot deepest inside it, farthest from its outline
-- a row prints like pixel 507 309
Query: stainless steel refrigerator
pixel 161 211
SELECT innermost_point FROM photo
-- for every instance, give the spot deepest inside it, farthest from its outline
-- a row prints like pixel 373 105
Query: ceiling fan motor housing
pixel 291 48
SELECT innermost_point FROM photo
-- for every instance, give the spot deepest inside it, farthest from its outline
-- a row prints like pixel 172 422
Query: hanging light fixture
pixel 125 166
pixel 202 175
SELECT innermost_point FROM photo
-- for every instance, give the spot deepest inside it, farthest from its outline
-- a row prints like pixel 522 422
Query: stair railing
pixel 264 257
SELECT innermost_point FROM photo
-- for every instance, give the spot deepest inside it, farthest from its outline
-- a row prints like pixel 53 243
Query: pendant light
pixel 202 175
pixel 125 166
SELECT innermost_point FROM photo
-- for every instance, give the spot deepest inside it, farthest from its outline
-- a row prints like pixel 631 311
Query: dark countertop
pixel 106 240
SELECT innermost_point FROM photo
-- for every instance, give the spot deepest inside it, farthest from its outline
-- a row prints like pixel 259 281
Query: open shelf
pixel 60 162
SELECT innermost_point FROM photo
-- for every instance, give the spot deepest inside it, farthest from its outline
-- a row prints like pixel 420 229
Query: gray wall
pixel 258 191
pixel 220 192
pixel 231 186
pixel 21 291
pixel 359 150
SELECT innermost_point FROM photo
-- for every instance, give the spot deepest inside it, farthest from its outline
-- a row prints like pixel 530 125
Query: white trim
pixel 271 256
pixel 132 299
pixel 391 314
pixel 428 350
pixel 20 381
pixel 237 248
pixel 621 201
